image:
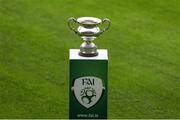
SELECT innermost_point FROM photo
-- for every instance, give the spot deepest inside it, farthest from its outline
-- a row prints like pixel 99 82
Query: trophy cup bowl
pixel 88 30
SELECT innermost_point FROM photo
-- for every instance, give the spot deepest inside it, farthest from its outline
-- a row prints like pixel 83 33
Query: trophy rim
pixel 89 20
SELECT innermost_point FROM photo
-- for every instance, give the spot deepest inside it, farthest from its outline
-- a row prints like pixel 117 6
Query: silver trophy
pixel 88 30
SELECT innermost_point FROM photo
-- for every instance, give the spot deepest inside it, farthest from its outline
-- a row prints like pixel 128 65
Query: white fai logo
pixel 88 90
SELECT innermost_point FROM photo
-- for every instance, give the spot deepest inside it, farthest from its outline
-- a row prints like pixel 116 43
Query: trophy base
pixel 88 55
pixel 88 49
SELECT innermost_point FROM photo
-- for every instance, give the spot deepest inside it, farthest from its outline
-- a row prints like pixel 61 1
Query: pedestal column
pixel 88 85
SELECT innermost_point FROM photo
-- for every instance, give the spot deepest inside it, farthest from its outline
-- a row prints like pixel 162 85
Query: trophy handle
pixel 106 28
pixel 70 21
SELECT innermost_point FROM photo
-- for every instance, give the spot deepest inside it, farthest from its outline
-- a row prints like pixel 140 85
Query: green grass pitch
pixel 144 56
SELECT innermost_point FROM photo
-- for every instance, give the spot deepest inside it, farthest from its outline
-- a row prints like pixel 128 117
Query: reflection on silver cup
pixel 88 30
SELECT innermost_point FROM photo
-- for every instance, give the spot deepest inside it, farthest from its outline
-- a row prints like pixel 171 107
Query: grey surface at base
pixel 102 55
